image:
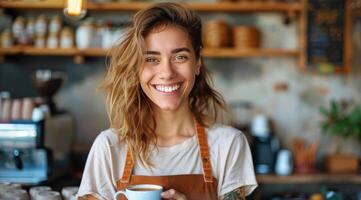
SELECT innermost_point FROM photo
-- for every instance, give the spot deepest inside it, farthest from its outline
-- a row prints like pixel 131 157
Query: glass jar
pixel 55 25
pixel 84 35
pixel 52 41
pixel 6 39
pixel 39 42
pixel 18 27
pixel 30 29
pixel 40 26
pixel 66 38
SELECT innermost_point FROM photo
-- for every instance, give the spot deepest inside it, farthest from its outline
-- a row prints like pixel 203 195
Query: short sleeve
pixel 238 168
pixel 97 176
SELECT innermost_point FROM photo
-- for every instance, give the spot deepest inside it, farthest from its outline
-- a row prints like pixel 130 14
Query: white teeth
pixel 163 88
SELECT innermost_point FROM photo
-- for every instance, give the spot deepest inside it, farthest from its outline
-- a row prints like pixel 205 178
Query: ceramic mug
pixel 141 192
pixel 13 194
pixel 69 193
pixel 284 162
pixel 48 195
pixel 37 189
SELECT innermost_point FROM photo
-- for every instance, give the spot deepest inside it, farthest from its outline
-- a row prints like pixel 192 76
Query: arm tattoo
pixel 237 194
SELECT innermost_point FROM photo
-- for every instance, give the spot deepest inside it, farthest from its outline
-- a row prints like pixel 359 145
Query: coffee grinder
pixel 47 83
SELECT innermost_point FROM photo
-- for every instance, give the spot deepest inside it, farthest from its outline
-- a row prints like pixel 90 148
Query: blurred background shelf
pixel 310 179
pixel 32 51
pixel 10 51
pixel 48 52
pixel 97 52
pixel 133 6
pixel 234 53
pixel 52 52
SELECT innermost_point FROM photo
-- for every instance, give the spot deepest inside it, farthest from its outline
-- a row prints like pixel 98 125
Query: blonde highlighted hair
pixel 129 109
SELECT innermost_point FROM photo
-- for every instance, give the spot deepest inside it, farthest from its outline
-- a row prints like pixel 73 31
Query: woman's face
pixel 169 68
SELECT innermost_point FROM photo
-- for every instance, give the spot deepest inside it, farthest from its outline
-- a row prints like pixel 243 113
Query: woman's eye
pixel 180 58
pixel 151 60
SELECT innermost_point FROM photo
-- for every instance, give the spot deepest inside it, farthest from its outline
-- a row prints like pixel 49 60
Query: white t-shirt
pixel 230 156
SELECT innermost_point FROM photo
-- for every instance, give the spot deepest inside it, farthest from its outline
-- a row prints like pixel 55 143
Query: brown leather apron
pixel 194 186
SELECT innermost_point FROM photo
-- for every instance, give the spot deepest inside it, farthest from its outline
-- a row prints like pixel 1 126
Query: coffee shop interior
pixel 289 70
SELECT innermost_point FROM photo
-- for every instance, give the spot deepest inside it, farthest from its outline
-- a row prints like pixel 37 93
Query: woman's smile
pixel 168 89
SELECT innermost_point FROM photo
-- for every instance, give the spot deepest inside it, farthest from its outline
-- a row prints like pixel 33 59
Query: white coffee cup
pixel 35 190
pixel 12 193
pixel 69 193
pixel 48 195
pixel 143 192
pixel 284 163
pixel 8 185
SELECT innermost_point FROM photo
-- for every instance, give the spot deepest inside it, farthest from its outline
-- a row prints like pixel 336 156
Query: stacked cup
pixel 246 37
pixel 12 192
pixel 34 191
pixel 69 193
pixel 216 34
pixel 48 195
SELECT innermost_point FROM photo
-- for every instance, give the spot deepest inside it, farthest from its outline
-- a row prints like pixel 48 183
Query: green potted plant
pixel 342 121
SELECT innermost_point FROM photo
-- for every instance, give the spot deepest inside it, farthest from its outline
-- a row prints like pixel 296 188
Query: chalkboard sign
pixel 326 34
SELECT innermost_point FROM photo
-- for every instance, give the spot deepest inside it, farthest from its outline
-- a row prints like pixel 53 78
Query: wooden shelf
pixel 26 50
pixel 214 53
pixel 48 52
pixel 236 53
pixel 10 51
pixel 134 6
pixel 32 5
pixel 310 178
pixel 32 51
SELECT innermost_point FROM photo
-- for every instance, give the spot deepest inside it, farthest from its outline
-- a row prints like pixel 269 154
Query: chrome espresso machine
pixel 35 143
pixel 34 152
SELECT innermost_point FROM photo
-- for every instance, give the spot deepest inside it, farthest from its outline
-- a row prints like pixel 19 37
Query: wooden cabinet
pixel 294 10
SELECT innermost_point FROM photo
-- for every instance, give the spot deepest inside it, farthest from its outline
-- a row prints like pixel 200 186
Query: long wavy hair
pixel 129 109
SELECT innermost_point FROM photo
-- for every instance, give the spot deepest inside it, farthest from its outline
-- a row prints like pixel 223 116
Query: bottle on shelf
pixel 84 34
pixel 6 39
pixel 52 41
pixel 18 28
pixel 30 30
pixel 39 42
pixel 41 26
pixel 66 38
pixel 55 25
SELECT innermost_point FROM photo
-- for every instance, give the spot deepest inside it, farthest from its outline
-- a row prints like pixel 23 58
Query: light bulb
pixel 75 9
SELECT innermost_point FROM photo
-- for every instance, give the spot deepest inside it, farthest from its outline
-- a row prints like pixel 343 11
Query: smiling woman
pixel 163 112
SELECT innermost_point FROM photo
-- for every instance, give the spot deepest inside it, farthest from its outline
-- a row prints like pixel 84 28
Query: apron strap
pixel 204 152
pixel 243 193
pixel 128 167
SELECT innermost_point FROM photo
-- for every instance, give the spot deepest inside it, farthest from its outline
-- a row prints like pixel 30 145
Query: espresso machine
pixel 35 150
pixel 264 146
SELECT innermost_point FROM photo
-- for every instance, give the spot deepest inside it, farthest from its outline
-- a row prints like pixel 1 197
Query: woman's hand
pixel 174 195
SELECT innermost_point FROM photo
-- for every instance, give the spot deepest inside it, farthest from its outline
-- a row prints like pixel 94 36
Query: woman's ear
pixel 198 67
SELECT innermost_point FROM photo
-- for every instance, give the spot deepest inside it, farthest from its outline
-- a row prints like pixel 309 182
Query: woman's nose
pixel 166 70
